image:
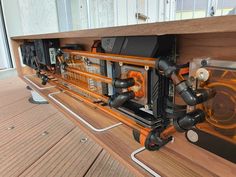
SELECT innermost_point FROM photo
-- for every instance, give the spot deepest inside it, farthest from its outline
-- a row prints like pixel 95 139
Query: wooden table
pixel 211 37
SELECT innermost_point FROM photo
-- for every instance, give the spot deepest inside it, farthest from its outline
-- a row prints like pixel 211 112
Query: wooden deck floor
pixel 37 140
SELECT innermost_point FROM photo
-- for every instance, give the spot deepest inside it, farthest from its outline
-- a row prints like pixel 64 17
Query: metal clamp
pixel 80 118
pixel 145 167
pixel 40 88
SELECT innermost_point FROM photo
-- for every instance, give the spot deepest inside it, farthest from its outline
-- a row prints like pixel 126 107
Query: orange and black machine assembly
pixel 136 79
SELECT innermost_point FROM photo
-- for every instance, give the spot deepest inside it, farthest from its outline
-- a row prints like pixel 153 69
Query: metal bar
pixel 140 61
pixel 91 75
pixel 111 112
pixel 145 167
pixel 93 94
pixel 51 95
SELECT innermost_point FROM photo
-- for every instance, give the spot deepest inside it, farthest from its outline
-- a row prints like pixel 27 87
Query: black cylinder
pixel 191 97
pixel 183 124
pixel 167 67
pixel 121 99
pixel 44 79
pixel 123 83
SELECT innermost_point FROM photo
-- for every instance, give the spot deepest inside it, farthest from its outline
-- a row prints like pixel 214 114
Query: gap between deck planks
pixel 120 144
pixel 37 140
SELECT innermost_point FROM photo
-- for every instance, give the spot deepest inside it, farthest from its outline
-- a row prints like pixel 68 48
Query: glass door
pixel 5 56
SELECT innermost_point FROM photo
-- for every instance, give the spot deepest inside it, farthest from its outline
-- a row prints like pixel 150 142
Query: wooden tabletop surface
pixel 179 158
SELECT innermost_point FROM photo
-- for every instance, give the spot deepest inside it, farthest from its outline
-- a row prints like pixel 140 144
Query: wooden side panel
pixel 221 46
pixel 194 26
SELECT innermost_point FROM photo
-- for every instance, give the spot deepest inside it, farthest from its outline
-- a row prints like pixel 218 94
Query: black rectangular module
pixel 46 51
pixel 214 144
pixel 143 46
pixel 151 89
pixel 112 44
pixel 28 54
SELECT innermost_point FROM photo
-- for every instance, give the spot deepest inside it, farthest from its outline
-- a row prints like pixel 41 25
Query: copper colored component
pixel 105 109
pixel 168 132
pixel 93 94
pixel 140 61
pixel 139 86
pixel 91 75
pixel 177 78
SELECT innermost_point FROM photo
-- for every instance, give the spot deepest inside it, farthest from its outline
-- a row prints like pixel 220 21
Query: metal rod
pixel 93 94
pixel 51 95
pixel 140 61
pixel 112 112
pixel 137 161
pixel 91 75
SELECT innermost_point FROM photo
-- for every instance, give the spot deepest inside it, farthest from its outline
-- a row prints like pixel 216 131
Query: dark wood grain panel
pixel 193 26
pixel 221 46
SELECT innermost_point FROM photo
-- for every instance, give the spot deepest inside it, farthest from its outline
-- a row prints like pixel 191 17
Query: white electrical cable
pixel 40 88
pixel 80 118
pixel 148 169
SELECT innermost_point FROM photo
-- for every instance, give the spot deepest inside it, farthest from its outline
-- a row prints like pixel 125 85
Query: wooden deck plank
pixel 25 151
pixel 12 90
pixel 119 137
pixel 15 109
pixel 120 143
pixel 11 83
pixel 169 163
pixel 105 165
pixel 9 97
pixel 18 155
pixel 68 158
pixel 15 126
